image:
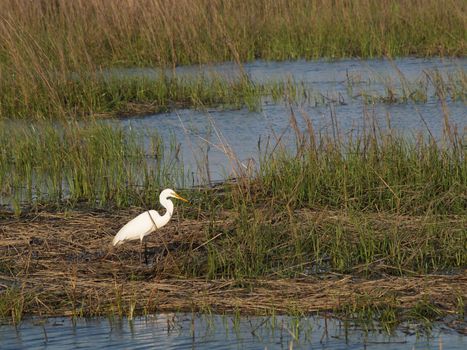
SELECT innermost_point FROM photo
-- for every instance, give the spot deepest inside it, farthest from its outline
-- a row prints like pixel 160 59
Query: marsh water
pixel 333 103
pixel 339 98
pixel 188 331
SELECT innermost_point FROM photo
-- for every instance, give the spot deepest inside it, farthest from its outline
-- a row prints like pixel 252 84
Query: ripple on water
pixel 186 331
pixel 242 129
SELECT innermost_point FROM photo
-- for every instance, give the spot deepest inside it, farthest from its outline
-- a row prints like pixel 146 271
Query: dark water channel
pixel 186 331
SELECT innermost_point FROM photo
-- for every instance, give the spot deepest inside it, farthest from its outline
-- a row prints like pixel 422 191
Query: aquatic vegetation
pixel 195 330
pixel 376 206
pixel 84 163
pixel 91 96
pixel 366 203
pixel 370 172
pixel 84 96
pixel 432 84
pixel 12 303
pixel 338 222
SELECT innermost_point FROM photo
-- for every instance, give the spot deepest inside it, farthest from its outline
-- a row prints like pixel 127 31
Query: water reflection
pixel 248 133
pixel 317 71
pixel 243 129
pixel 215 143
pixel 188 331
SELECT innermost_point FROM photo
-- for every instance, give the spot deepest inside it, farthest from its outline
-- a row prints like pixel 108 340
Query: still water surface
pixel 212 144
pixel 186 331
pixel 333 103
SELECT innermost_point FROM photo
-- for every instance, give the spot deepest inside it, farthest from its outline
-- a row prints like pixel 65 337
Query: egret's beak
pixel 180 197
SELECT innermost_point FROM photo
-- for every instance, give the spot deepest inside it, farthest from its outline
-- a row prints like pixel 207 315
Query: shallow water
pixel 331 105
pixel 215 143
pixel 186 331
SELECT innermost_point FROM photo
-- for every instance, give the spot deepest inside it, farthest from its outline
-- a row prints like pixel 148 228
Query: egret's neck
pixel 167 204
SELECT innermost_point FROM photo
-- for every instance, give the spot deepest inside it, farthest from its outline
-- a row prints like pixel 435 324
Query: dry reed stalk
pixel 65 267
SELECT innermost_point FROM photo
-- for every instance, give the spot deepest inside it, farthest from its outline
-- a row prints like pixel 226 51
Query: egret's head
pixel 171 193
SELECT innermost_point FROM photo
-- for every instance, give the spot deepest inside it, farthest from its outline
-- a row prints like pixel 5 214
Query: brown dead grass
pixel 64 265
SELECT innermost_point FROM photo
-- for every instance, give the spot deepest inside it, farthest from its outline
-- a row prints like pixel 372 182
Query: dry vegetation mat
pixel 62 264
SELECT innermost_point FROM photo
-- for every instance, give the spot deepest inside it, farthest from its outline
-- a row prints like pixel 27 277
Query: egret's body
pixel 147 222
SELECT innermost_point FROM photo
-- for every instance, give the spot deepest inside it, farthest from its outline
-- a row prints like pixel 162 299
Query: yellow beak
pixel 180 197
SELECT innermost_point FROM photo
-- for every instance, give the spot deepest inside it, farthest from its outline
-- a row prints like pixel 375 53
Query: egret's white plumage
pixel 149 221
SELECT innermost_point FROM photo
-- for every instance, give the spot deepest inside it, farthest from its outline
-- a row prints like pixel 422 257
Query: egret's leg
pixel 146 252
pixel 140 249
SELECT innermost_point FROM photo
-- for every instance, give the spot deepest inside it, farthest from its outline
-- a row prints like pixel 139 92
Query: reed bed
pixel 164 33
pixel 52 53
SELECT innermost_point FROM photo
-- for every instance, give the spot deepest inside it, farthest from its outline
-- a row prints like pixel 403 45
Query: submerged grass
pixel 94 163
pixel 432 84
pixel 114 93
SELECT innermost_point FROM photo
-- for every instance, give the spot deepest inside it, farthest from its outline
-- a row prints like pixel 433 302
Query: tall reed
pixel 50 51
pixel 161 32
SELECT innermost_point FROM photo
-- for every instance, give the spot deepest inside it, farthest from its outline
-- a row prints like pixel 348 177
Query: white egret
pixel 147 222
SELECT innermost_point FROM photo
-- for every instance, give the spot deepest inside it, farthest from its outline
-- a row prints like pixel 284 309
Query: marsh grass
pixel 52 53
pixel 68 164
pixel 64 265
pixel 163 33
pixel 368 203
pixel 432 84
pixel 95 95
pixel 12 302
pixel 110 94
pixel 369 173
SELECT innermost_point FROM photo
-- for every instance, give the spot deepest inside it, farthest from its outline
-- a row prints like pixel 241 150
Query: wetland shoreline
pixel 371 227
pixel 53 66
pixel 61 264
